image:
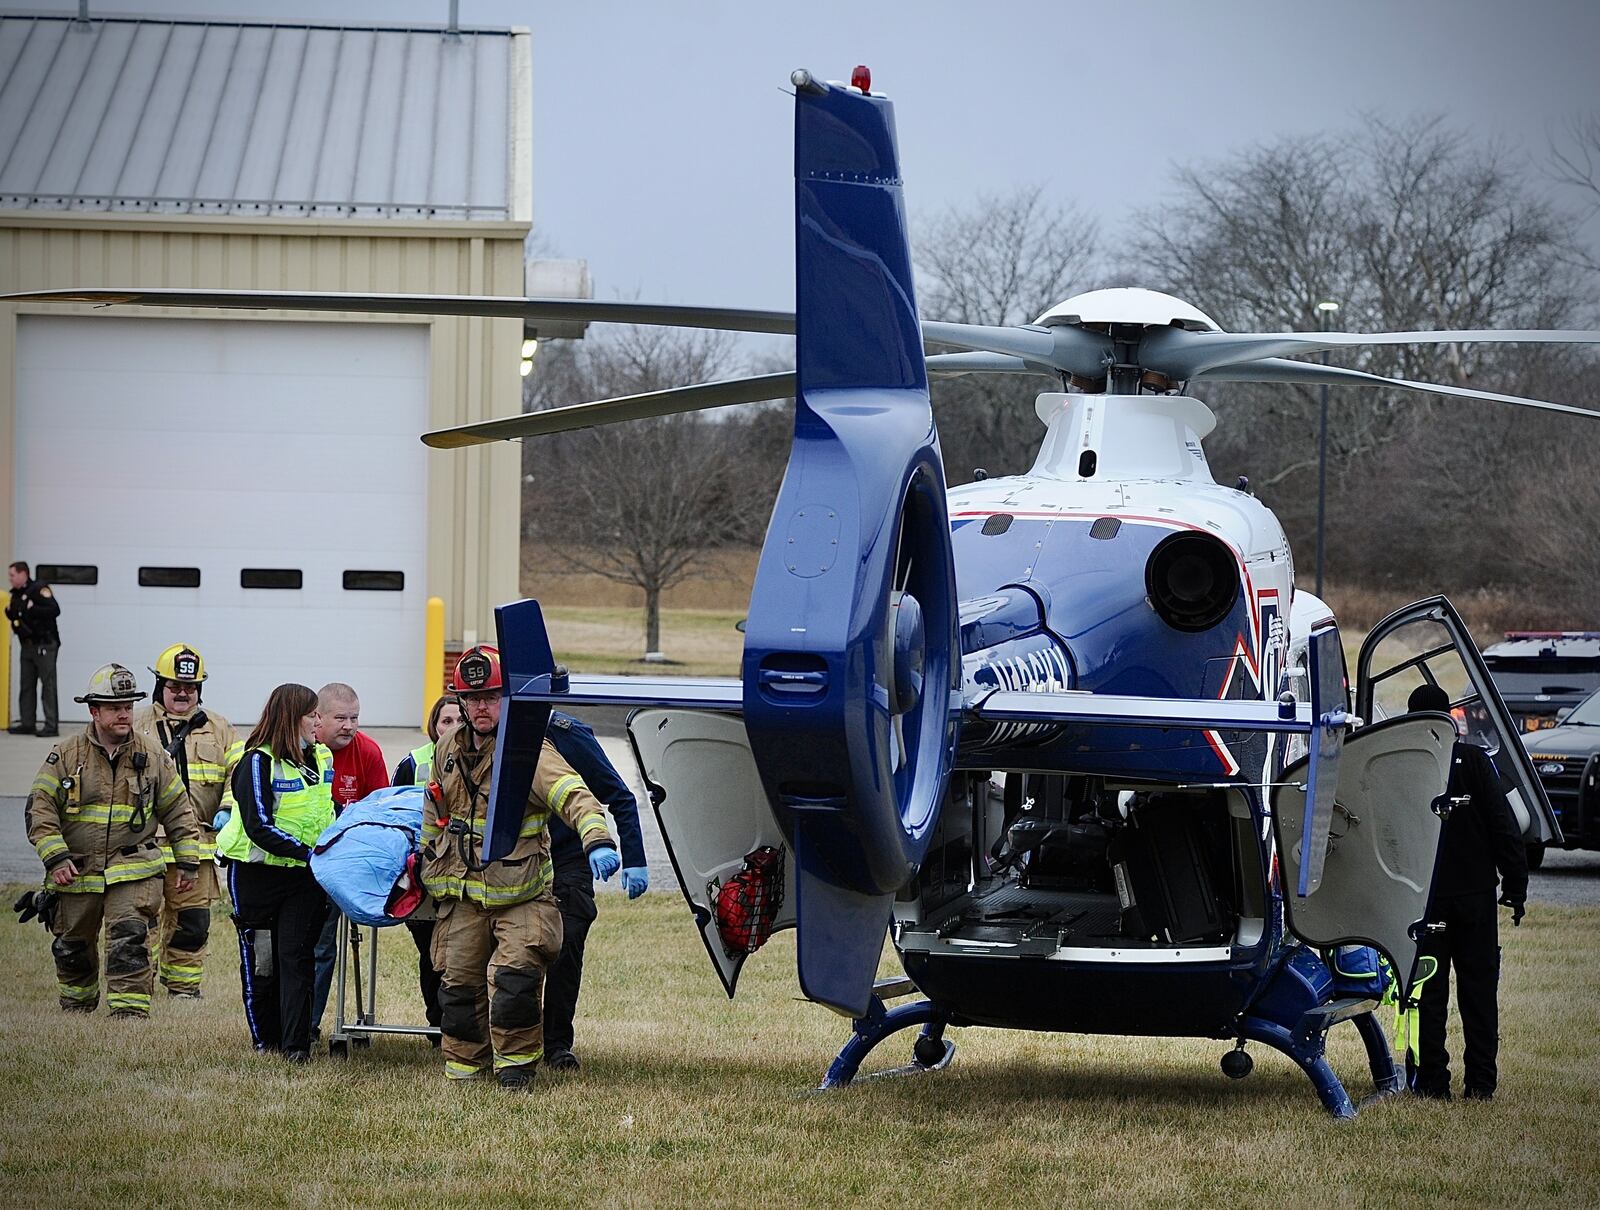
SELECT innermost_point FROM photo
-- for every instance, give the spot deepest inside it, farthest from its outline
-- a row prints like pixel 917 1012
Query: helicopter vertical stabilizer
pixel 527 665
pixel 850 649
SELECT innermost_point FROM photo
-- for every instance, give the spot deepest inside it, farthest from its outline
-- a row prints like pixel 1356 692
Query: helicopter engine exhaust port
pixel 1192 580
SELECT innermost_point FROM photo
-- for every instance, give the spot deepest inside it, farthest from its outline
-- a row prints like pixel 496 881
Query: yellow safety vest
pixel 302 807
pixel 422 762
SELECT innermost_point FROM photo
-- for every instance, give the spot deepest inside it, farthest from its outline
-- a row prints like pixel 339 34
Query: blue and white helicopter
pixel 1073 739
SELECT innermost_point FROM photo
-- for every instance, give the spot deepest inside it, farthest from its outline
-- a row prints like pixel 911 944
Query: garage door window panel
pixel 375 581
pixel 69 573
pixel 271 577
pixel 169 577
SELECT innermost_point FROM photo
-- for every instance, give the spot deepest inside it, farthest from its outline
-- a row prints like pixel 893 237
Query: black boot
pixel 515 1079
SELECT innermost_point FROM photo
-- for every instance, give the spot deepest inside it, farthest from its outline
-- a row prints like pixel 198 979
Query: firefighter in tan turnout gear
pixel 499 928
pixel 92 817
pixel 205 748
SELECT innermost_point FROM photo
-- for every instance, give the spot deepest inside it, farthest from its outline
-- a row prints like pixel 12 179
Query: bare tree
pixel 640 503
pixel 1001 260
pixel 1573 163
pixel 1408 226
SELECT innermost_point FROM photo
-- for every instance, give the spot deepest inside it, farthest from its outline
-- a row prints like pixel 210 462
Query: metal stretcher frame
pixel 358 1031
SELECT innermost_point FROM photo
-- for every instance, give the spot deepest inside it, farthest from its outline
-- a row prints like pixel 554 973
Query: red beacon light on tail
pixel 861 78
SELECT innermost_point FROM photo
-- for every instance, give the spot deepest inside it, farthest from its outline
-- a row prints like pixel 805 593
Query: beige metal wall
pixel 473 495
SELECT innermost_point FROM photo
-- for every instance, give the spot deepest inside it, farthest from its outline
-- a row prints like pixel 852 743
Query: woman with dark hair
pixel 416 767
pixel 283 789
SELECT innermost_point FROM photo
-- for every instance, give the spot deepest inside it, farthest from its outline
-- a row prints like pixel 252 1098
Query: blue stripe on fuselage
pixel 1096 604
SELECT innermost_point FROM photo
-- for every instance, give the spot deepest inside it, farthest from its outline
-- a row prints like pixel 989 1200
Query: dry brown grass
pixel 724 585
pixel 1488 612
pixel 687 1099
pixel 610 640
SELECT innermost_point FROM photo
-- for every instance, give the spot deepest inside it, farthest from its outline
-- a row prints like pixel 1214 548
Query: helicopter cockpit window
pixel 1422 653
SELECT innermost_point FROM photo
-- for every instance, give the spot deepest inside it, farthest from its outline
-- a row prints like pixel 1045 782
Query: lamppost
pixel 1325 310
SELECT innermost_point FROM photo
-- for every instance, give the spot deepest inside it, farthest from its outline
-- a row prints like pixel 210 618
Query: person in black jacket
pixel 1481 847
pixel 32 611
pixel 574 884
pixel 283 791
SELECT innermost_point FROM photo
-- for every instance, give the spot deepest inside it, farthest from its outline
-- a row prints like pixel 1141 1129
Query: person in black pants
pixel 1481 847
pixel 574 884
pixel 33 612
pixel 283 790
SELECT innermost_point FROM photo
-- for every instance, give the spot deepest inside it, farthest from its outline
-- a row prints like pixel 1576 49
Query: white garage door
pixel 254 489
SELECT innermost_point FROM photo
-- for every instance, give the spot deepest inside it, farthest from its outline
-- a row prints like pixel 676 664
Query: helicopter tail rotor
pixel 850 646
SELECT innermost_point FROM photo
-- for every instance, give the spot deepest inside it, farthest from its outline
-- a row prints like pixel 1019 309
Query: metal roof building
pixel 288 120
pixel 277 509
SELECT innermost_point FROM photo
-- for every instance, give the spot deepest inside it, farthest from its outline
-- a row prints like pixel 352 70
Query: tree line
pixel 1406 226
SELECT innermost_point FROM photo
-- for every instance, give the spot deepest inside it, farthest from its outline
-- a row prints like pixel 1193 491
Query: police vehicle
pixel 1567 759
pixel 1541 674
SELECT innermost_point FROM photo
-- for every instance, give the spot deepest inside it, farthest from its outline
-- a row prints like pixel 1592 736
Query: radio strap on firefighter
pixel 141 810
pixel 461 829
pixel 173 741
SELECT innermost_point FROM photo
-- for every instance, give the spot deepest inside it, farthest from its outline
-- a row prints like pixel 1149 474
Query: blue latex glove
pixel 604 862
pixel 635 880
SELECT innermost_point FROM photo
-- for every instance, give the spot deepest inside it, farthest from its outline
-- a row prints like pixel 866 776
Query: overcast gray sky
pixel 662 134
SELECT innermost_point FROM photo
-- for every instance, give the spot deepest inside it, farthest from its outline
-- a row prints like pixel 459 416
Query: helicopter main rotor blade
pixel 695 398
pixel 1064 348
pixel 489 306
pixel 1181 354
pixel 1275 369
pixel 1061 347
pixel 985 363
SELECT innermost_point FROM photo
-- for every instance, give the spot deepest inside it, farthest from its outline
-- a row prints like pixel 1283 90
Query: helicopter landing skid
pixel 930 1053
pixel 1307 1047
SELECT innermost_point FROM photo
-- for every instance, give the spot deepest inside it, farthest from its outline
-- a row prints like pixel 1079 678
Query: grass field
pixel 686 1099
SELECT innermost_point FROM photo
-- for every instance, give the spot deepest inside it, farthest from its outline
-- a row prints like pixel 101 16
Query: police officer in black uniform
pixel 1481 846
pixel 574 883
pixel 33 611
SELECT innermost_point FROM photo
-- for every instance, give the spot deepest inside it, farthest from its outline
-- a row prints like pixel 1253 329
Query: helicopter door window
pixel 1423 653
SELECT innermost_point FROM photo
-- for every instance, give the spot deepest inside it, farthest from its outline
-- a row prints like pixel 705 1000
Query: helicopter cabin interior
pixel 1067 865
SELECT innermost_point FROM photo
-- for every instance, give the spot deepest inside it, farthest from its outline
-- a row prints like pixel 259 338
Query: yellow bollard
pixel 432 656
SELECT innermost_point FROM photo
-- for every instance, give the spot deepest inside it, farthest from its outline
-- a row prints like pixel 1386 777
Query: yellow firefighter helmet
pixel 112 683
pixel 180 662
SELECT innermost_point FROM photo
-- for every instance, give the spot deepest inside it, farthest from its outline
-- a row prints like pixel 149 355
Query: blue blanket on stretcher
pixel 368 859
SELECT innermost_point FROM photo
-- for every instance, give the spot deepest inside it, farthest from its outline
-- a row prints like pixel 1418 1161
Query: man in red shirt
pixel 358 765
pixel 358 770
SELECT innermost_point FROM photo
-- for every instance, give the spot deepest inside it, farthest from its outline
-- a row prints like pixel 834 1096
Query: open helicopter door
pixel 1381 843
pixel 714 815
pixel 1426 643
